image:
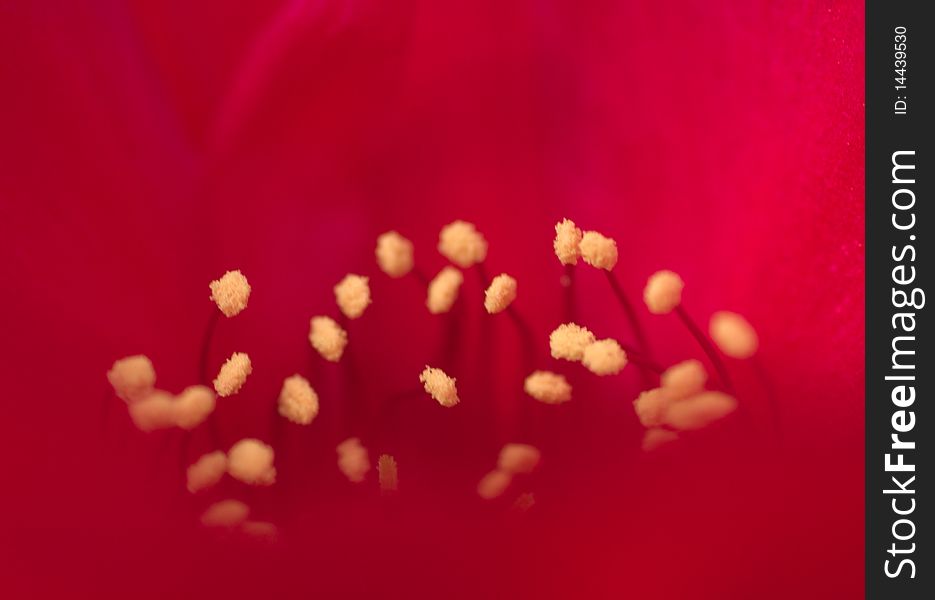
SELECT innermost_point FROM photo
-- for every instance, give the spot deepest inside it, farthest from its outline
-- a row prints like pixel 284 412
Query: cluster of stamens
pixel 680 403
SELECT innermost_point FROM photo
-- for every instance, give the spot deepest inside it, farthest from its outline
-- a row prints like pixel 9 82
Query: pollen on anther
pixel 548 387
pixel 500 294
pixel 462 244
pixel 298 402
pixel 598 251
pixel 353 295
pixel 733 334
pixel 604 357
pixel 518 458
pixel 388 473
pixel 567 241
pixel 226 513
pixel 251 461
pixel 233 374
pixel 569 340
pixel 132 377
pixel 394 254
pixel 353 460
pixel 327 338
pixel 443 290
pixel 493 484
pixel 193 406
pixel 231 293
pixel 440 386
pixel 684 379
pixel 206 471
pixel 699 410
pixel 663 292
pixel 656 437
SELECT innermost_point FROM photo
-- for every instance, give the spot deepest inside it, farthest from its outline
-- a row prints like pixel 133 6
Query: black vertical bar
pixel 899 367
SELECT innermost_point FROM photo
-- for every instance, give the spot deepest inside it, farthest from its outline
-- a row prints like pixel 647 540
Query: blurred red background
pixel 147 147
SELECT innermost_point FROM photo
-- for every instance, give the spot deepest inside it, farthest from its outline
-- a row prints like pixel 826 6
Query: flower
pixel 733 334
pixel 569 340
pixel 500 294
pixel 352 295
pixel 493 484
pixel 548 387
pixel 298 402
pixel 567 241
pixel 132 377
pixel 656 437
pixel 193 406
pixel 394 254
pixel 251 461
pixel 604 357
pixel 440 386
pixel 598 251
pixel 462 244
pixel 327 337
pixel 700 410
pixel 443 290
pixel 206 471
pixel 663 292
pixel 518 458
pixel 233 374
pixel 226 513
pixel 684 379
pixel 231 293
pixel 353 460
pixel 388 473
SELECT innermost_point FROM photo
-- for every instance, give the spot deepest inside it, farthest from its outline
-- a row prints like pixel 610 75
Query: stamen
pixel 298 402
pixel 231 293
pixel 132 377
pixel 656 437
pixel 493 484
pixel 155 411
pixel 260 530
pixel 327 337
pixel 440 386
pixel 707 348
pixel 388 474
pixel 684 379
pixel 568 341
pixel 548 387
pixel 443 290
pixel 630 313
pixel 233 374
pixel 700 410
pixel 604 357
pixel 733 334
pixel 567 242
pixel 251 461
pixel 394 254
pixel 663 292
pixel 651 406
pixel 206 471
pixel 518 459
pixel 353 295
pixel 462 244
pixel 353 460
pixel 193 406
pixel 598 251
pixel 500 294
pixel 226 513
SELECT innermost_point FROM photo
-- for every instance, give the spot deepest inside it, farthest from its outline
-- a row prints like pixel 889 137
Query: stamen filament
pixel 708 349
